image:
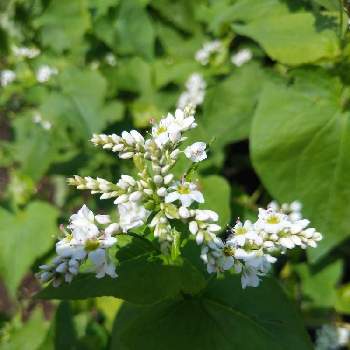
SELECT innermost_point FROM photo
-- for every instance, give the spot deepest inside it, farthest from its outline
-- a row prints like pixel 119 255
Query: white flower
pixel 44 73
pixel 195 92
pixel 241 57
pixel 102 266
pixel 25 52
pixel 7 76
pixel 196 152
pixel 132 215
pixel 271 221
pixel 181 121
pixel 209 48
pixel 186 193
pixel 111 59
pixel 162 134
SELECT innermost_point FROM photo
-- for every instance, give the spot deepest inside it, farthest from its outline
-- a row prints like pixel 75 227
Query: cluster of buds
pixel 159 200
pixel 127 145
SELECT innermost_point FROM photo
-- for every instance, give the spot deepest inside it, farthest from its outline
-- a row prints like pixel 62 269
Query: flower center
pixel 183 189
pixel 273 219
pixel 240 231
pixel 160 130
pixel 228 251
pixel 91 245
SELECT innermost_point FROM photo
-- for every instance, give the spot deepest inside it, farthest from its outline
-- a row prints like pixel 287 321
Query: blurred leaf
pixel 224 317
pixel 179 13
pixel 217 195
pixel 135 33
pixel 63 24
pixel 300 144
pixel 77 85
pixel 109 306
pixel 155 281
pixel 19 232
pixel 292 38
pixel 65 334
pixel 320 286
pixel 342 304
pixel 29 336
pixel 228 107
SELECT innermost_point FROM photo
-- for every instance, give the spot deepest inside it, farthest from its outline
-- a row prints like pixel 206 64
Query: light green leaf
pixel 135 33
pixel 142 280
pixel 224 317
pixel 320 285
pixel 24 237
pixel 300 146
pixel 229 106
pixel 29 336
pixel 88 102
pixel 63 24
pixel 342 304
pixel 217 195
pixel 292 38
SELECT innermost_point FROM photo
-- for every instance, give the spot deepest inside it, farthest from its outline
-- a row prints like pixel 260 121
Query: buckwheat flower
pixel 185 192
pixel 7 76
pixel 208 49
pixel 243 233
pixel 241 57
pixel 162 134
pixel 293 210
pixel 102 267
pixel 332 337
pixel 271 221
pixel 25 52
pixel 181 121
pixel 196 152
pixel 111 59
pixel 194 93
pixel 132 215
pixel 45 72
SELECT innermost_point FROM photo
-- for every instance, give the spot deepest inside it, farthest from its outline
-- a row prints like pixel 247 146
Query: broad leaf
pixel 224 317
pixel 292 38
pixel 142 280
pixel 217 195
pixel 229 107
pixel 87 101
pixel 63 24
pixel 312 279
pixel 300 146
pixel 24 237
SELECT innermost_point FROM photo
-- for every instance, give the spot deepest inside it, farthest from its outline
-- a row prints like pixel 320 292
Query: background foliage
pixel 280 125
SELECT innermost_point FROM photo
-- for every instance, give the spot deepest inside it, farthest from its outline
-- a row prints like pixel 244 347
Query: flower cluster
pixel 332 337
pixel 241 57
pixel 208 50
pixel 45 72
pixel 25 52
pixel 293 210
pixel 7 76
pixel 88 237
pixel 250 247
pixel 195 92
pixel 156 198
pixel 38 119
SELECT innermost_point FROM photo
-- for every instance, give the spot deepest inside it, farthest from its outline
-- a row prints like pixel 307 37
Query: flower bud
pixel 162 192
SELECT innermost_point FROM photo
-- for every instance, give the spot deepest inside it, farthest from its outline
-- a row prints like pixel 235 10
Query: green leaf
pixel 342 304
pixel 65 333
pixel 142 280
pixel 180 13
pixel 292 38
pixel 300 144
pixel 88 102
pixel 135 33
pixel 224 317
pixel 29 336
pixel 25 236
pixel 327 277
pixel 63 24
pixel 217 195
pixel 229 106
